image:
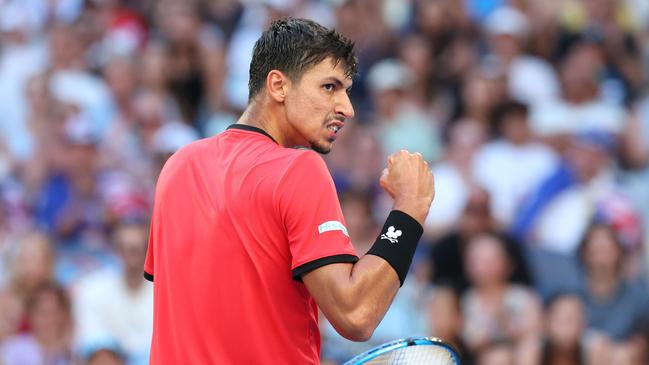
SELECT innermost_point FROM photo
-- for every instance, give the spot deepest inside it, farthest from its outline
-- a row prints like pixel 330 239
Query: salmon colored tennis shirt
pixel 237 220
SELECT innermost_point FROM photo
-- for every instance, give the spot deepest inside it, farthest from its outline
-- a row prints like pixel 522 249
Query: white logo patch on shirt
pixel 392 235
pixel 332 226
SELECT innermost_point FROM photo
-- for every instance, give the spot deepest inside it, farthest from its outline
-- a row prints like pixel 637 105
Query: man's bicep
pixel 327 285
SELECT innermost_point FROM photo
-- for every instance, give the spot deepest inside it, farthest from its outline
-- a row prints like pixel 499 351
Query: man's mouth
pixel 335 126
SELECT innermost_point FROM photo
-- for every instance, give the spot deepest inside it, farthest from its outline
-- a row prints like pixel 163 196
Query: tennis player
pixel 247 236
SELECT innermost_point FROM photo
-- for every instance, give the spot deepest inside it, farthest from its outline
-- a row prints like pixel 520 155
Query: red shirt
pixel 237 219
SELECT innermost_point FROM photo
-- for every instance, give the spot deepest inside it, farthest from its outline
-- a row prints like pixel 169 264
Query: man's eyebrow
pixel 337 81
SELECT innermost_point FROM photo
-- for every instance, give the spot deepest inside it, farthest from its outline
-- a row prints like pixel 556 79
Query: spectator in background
pixel 480 90
pixel 400 122
pixel 195 59
pixel 168 139
pixel 49 341
pixel 356 161
pixel 494 309
pixel 582 186
pixel 129 144
pixel 581 107
pixel 21 57
pixel 498 353
pixel 448 254
pixel 545 29
pixel 564 332
pixel 71 207
pixel 445 320
pixel 117 306
pixel 458 60
pixel 358 208
pixel 616 306
pixel 611 25
pixel 512 165
pixel 31 266
pixel 439 21
pixel 45 118
pixel 454 177
pixel 11 314
pixel 105 356
pixel 529 79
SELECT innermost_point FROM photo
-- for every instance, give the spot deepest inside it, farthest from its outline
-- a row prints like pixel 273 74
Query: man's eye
pixel 329 87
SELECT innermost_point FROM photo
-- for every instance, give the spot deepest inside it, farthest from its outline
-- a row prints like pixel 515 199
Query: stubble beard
pixel 320 149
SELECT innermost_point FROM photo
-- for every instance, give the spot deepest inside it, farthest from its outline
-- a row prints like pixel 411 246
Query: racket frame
pixel 401 343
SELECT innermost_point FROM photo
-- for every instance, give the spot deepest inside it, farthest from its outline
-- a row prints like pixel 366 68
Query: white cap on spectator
pixel 79 130
pixel 172 136
pixel 507 21
pixel 389 74
pixel 79 88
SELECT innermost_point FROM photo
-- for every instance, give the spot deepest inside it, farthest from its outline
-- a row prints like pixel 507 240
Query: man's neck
pixel 260 116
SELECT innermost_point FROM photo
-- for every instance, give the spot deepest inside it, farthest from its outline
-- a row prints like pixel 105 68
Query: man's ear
pixel 277 84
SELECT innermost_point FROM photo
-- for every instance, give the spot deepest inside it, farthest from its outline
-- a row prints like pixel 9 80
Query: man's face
pixel 317 105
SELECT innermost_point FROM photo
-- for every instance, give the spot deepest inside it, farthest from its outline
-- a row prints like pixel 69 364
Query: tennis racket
pixel 409 351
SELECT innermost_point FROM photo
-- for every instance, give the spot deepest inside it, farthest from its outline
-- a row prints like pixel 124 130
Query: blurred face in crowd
pixel 37 93
pixel 357 209
pixel 461 56
pixel 601 253
pixel 515 128
pixel 445 316
pixel 465 139
pixel 150 113
pixel 152 69
pixel 599 10
pixel 580 71
pixel 120 77
pixel 565 322
pixel 131 240
pixel 317 105
pixel 11 311
pixel 34 262
pixel 432 16
pixel 478 92
pixel 496 355
pixel 416 53
pixel 507 46
pixel 49 314
pixel 65 46
pixel 476 217
pixel 388 102
pixel 178 20
pixel 487 263
pixel 105 357
pixel 587 159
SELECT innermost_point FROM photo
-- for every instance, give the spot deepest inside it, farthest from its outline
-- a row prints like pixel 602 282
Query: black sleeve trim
pixel 312 265
pixel 148 276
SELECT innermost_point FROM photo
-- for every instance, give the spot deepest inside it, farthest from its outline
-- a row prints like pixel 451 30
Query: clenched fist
pixel 410 182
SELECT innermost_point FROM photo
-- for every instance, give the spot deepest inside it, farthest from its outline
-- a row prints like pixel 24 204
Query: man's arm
pixel 355 297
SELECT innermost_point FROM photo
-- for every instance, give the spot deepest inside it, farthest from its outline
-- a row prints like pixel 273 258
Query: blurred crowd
pixel 534 116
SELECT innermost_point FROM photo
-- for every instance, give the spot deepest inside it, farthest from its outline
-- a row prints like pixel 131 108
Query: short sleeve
pixel 312 216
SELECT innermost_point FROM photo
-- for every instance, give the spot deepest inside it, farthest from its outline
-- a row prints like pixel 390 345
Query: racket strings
pixel 411 355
